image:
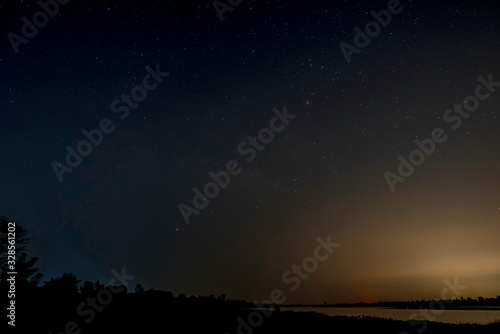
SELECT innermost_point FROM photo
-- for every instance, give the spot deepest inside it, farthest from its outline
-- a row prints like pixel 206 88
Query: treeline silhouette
pixel 67 305
pixel 459 303
pixel 64 303
pixel 52 308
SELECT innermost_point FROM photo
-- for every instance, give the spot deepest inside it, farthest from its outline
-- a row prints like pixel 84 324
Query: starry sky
pixel 323 174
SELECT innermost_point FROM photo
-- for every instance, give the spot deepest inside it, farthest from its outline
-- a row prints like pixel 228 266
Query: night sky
pixel 223 81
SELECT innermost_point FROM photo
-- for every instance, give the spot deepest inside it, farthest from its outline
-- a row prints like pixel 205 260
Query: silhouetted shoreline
pixel 479 303
pixel 465 308
pixel 67 305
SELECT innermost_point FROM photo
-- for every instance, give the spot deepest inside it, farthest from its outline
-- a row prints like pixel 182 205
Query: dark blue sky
pixel 323 174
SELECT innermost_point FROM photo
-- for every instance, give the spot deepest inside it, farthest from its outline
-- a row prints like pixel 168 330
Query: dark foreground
pixel 311 322
pixel 229 321
pixel 60 307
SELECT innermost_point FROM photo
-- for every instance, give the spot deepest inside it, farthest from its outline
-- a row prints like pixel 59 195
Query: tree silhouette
pixel 139 288
pixel 24 266
pixel 27 277
pixel 87 289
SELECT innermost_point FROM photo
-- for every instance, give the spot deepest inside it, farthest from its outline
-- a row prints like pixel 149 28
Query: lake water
pixel 447 316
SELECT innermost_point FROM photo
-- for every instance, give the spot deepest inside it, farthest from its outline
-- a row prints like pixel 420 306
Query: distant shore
pixel 464 308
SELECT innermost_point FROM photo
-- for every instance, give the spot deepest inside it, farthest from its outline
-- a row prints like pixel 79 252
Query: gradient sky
pixel 322 175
